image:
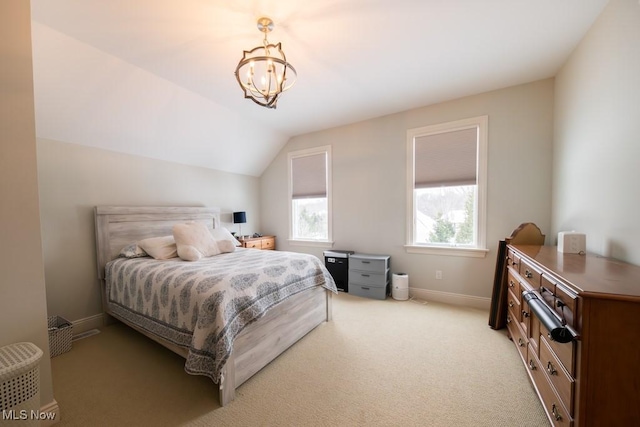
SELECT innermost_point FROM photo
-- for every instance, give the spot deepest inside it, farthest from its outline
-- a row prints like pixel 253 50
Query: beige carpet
pixel 378 363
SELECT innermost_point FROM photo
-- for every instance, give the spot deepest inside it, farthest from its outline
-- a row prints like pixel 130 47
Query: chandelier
pixel 262 71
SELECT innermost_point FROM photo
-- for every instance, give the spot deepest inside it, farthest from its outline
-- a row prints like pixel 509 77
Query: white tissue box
pixel 570 242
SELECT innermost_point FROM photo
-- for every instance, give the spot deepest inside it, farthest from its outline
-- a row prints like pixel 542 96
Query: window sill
pixel 447 251
pixel 311 243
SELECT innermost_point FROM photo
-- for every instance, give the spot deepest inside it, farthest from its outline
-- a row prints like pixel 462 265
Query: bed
pixel 228 315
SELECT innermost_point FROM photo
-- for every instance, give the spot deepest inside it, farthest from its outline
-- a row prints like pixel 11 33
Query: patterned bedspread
pixel 204 305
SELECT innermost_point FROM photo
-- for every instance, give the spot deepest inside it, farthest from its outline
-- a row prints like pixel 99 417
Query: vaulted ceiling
pixel 155 77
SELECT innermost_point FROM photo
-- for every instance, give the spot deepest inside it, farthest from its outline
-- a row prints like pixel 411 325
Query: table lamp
pixel 240 218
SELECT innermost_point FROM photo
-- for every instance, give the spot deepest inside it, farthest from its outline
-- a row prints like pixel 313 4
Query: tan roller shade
pixel 446 159
pixel 309 176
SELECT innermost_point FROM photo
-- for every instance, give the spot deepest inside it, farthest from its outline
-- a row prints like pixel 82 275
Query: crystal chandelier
pixel 263 72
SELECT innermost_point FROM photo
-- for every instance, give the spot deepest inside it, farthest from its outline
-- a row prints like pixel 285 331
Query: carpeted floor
pixel 378 363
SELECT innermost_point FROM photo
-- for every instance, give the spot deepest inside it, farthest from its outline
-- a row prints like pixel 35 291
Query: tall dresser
pixel 575 320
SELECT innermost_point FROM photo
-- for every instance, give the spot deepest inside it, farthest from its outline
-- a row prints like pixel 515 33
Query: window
pixel 446 188
pixel 310 190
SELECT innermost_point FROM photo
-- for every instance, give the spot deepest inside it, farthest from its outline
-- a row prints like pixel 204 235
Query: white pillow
pixel 224 234
pixel 194 241
pixel 160 247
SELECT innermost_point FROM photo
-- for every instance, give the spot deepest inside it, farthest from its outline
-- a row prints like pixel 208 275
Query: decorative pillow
pixel 132 250
pixel 222 234
pixel 160 247
pixel 194 241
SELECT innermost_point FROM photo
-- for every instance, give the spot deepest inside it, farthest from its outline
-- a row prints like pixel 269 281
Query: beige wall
pixel 23 312
pixel 597 128
pixel 74 178
pixel 369 183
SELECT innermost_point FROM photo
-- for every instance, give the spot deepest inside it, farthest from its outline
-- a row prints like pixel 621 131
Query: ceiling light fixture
pixel 263 72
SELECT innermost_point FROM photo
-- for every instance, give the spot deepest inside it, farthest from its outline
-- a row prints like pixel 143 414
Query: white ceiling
pixel 155 77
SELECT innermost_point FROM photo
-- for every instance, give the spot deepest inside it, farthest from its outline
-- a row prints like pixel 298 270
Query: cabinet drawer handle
pixel 555 412
pixel 508 319
pixel 525 314
pixel 532 365
pixel 366 262
pixel 520 342
pixel 511 283
pixel 364 288
pixel 511 304
pixel 551 369
pixel 364 275
pixel 528 274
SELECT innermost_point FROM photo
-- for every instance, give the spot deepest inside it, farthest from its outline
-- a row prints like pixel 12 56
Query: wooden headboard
pixel 117 226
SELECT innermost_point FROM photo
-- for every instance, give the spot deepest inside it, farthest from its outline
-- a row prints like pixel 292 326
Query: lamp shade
pixel 239 217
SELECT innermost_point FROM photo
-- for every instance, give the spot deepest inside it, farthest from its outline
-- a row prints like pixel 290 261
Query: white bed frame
pixel 255 346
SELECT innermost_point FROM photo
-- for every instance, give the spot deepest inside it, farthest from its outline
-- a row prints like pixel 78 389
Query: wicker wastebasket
pixel 60 335
pixel 19 384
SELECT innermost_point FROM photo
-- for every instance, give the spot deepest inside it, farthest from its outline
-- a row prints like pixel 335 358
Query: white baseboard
pixel 88 323
pixel 450 298
pixel 50 408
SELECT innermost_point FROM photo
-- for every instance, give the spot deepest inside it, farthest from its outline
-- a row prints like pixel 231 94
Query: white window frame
pixel 328 243
pixel 480 250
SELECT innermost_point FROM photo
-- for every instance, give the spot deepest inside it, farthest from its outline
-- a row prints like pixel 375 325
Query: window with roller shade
pixel 309 184
pixel 446 180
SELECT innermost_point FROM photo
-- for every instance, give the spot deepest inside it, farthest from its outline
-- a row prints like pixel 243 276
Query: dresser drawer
pixel 513 260
pixel 525 317
pixel 561 380
pixel 513 302
pixel 560 298
pixel 512 283
pixel 534 333
pixel 269 243
pixel 374 263
pixel 375 292
pixel 551 402
pixel 253 244
pixel 530 274
pixel 519 338
pixel 368 278
pixel 511 318
pixel 564 352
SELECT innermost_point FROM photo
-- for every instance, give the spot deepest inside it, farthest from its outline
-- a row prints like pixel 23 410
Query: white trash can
pixel 400 286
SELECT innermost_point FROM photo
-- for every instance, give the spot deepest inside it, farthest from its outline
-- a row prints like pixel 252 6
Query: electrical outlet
pixel 438 274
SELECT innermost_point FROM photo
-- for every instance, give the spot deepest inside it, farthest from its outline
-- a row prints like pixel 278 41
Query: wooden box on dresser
pixel 594 379
pixel 263 242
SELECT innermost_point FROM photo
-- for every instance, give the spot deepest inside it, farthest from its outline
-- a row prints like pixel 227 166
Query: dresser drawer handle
pixel 525 314
pixel 520 342
pixel 555 412
pixel 551 369
pixel 508 319
pixel 511 304
pixel 528 274
pixel 532 365
pixel 511 283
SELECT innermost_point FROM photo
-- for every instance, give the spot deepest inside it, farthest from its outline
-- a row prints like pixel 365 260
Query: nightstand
pixel 264 242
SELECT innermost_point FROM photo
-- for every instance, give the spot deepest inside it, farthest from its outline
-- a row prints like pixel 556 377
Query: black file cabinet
pixel 337 262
